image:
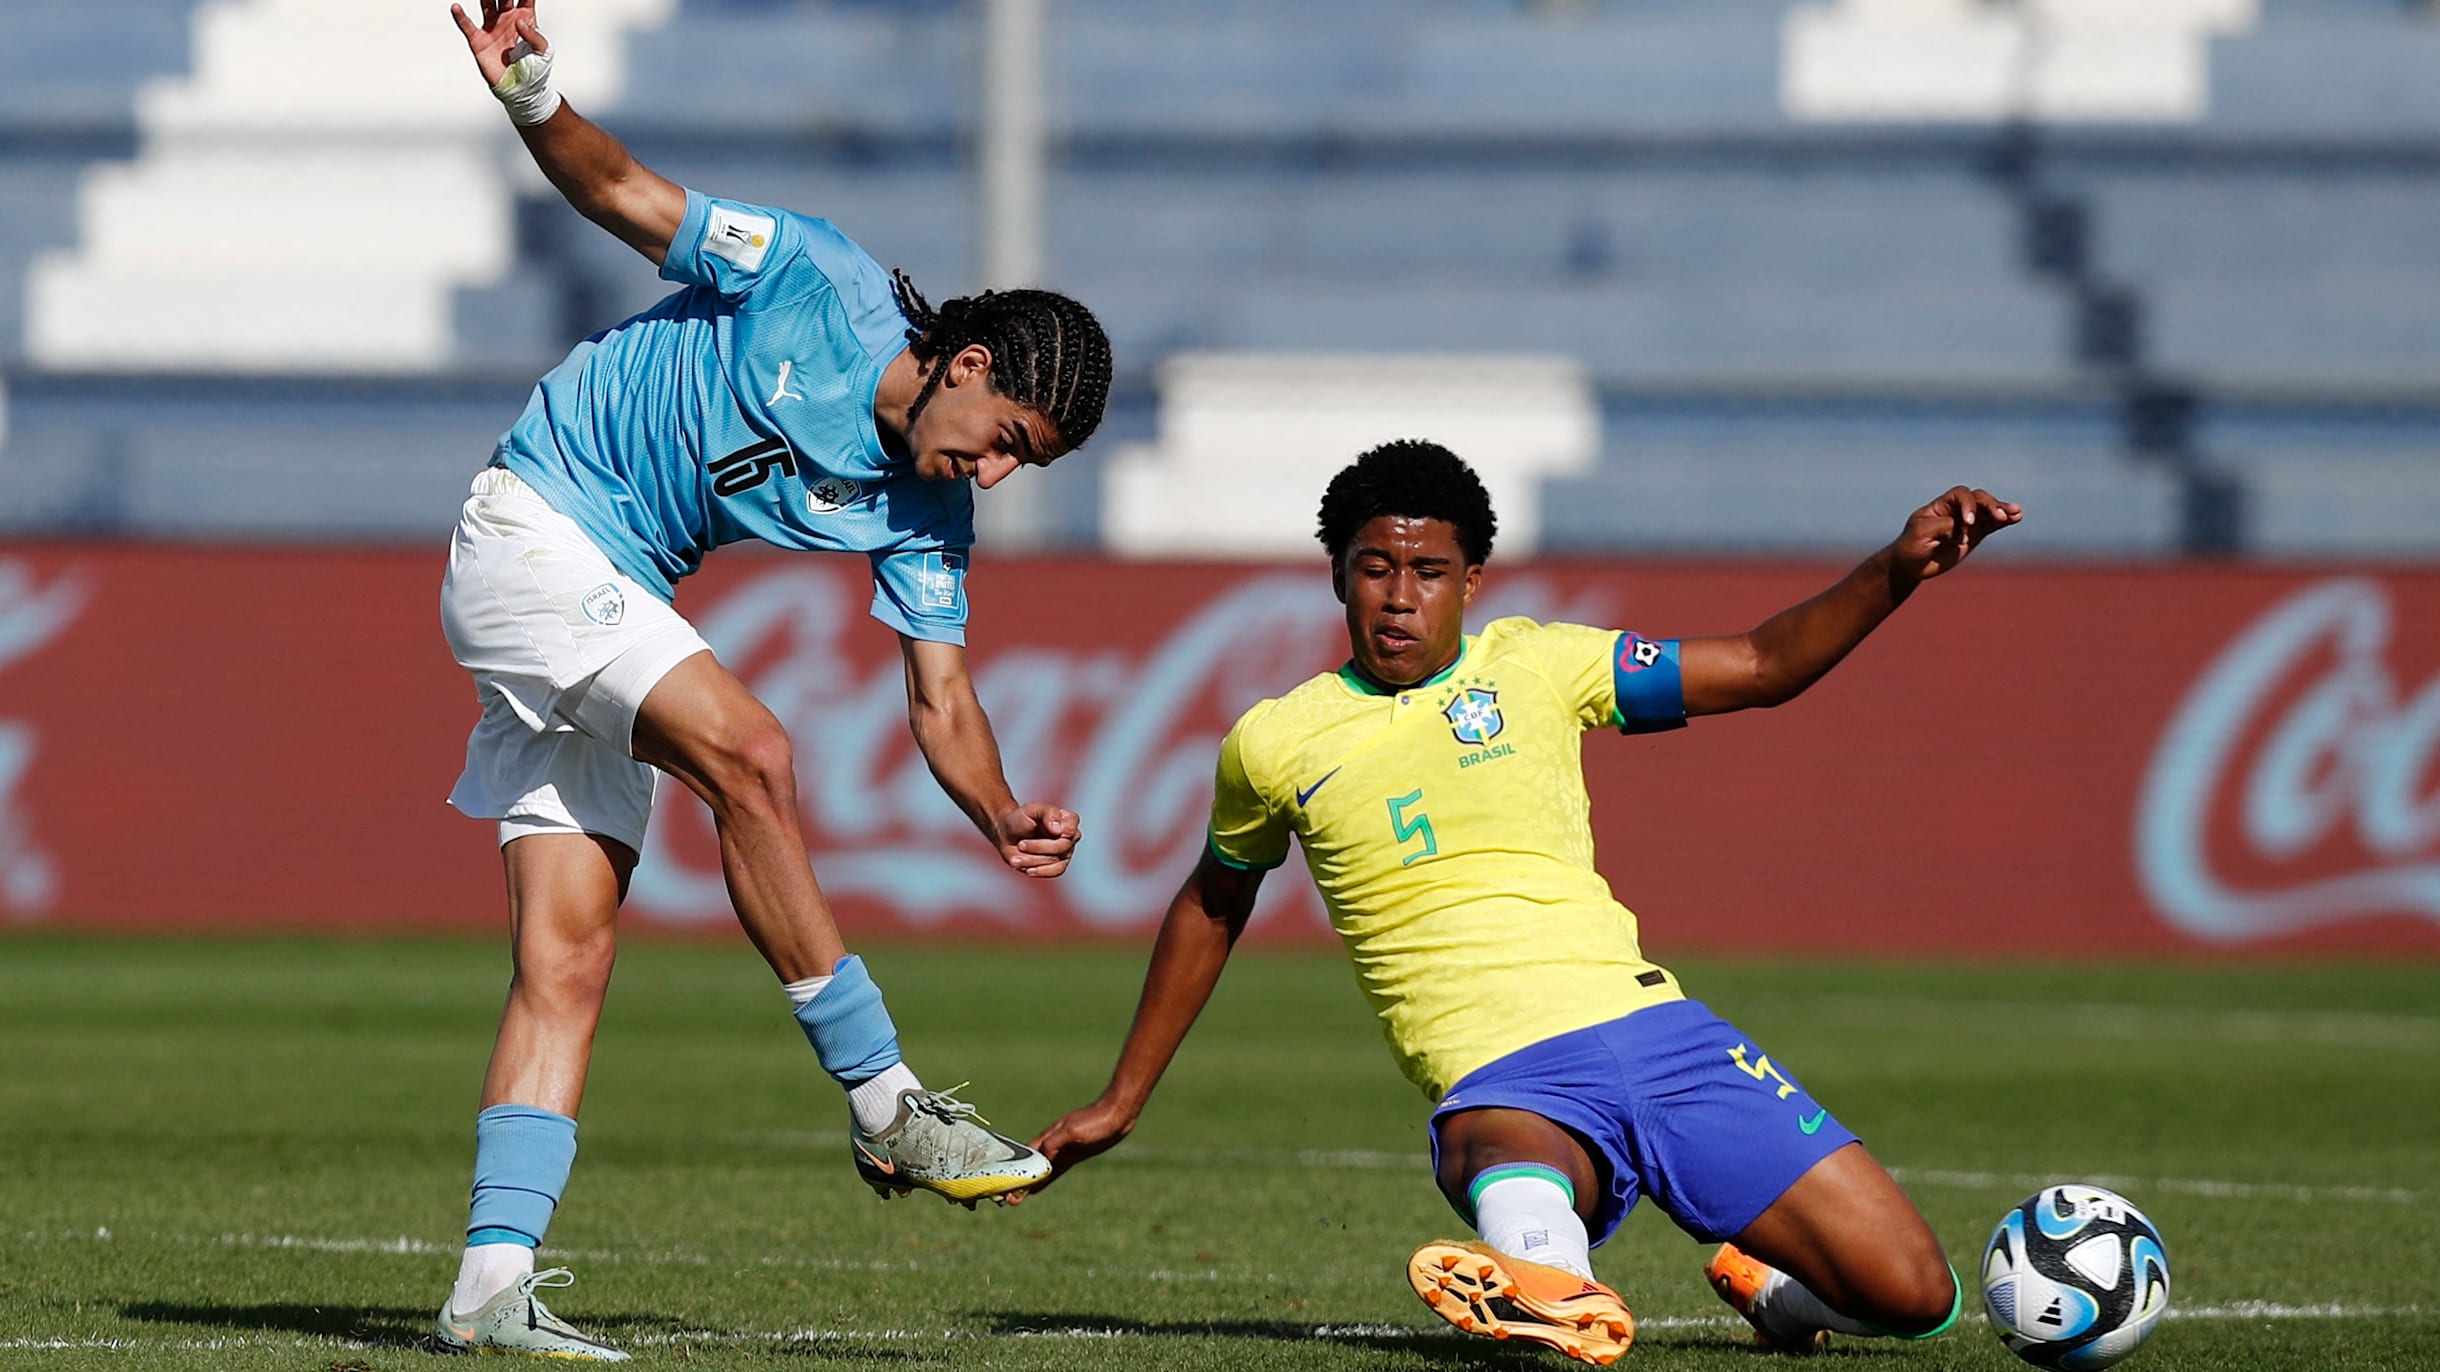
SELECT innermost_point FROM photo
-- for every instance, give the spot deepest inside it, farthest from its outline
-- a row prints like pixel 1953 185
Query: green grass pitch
pixel 249 1153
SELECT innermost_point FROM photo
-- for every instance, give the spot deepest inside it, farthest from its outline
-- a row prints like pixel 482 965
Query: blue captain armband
pixel 1651 693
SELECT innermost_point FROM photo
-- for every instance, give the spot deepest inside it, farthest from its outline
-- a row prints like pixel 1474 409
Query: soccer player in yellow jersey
pixel 1435 782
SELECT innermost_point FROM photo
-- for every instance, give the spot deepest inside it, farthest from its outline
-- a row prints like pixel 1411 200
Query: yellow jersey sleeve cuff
pixel 1211 843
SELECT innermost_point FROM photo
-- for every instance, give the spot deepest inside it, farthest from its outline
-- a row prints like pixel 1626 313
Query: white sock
pixel 1790 1311
pixel 803 992
pixel 1531 1217
pixel 874 1102
pixel 487 1270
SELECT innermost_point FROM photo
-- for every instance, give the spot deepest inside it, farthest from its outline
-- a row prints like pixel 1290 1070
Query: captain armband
pixel 525 88
pixel 1651 693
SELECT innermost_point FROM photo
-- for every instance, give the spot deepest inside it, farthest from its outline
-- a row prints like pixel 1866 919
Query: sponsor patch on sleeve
pixel 739 237
pixel 943 576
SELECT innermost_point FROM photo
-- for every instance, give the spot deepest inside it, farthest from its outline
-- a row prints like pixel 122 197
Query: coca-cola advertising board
pixel 2025 760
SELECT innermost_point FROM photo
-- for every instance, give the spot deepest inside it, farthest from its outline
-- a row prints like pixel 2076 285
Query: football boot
pixel 515 1321
pixel 1484 1291
pixel 939 1144
pixel 1740 1281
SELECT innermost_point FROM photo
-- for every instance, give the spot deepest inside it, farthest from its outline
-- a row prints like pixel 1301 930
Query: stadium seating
pixel 2332 482
pixel 1778 273
pixel 53 81
pixel 1833 477
pixel 2323 70
pixel 1248 441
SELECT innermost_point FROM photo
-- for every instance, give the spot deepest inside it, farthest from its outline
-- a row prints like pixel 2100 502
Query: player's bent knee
pixel 756 770
pixel 1926 1305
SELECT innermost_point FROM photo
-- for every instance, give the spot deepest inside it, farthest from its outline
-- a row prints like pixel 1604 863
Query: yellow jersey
pixel 1448 830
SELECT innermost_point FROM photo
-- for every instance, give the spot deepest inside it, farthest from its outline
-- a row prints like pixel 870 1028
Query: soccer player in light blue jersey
pixel 789 391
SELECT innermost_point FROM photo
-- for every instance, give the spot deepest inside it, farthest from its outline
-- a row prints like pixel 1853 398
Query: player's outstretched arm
pixel 1794 648
pixel 592 169
pixel 1202 926
pixel 955 735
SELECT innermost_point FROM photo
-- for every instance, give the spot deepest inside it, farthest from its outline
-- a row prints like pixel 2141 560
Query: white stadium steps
pixel 309 198
pixel 1248 442
pixel 2122 61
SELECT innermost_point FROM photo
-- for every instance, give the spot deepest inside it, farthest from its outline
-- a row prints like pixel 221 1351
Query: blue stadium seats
pixel 512 323
pixel 303 460
pixel 1615 180
pixel 2305 75
pixel 1710 68
pixel 53 78
pixel 2328 481
pixel 860 72
pixel 1591 224
pixel 2339 329
pixel 1982 333
pixel 61 104
pixel 37 211
pixel 1838 478
pixel 2290 273
pixel 2224 222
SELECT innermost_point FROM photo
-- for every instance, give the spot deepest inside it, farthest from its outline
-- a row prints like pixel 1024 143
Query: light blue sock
pixel 849 1027
pixel 522 1154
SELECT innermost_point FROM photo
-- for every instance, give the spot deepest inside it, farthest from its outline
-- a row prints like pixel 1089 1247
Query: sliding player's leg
pixel 1821 1239
pixel 1530 1187
pixel 700 724
pixel 1842 1250
pixel 564 890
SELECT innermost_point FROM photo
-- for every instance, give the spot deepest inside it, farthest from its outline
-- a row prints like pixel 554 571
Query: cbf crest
pixel 1474 715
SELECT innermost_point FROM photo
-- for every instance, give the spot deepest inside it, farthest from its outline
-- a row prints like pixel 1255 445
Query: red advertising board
pixel 2025 760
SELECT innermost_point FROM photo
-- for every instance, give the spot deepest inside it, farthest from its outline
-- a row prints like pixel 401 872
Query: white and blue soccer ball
pixel 2075 1278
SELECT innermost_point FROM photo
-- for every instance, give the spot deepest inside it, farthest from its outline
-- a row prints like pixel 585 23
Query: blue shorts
pixel 1673 1102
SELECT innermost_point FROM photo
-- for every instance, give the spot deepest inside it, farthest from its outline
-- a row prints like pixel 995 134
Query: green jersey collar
pixel 1357 682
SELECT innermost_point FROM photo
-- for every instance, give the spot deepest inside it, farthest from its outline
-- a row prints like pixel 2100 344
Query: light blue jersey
pixel 742 407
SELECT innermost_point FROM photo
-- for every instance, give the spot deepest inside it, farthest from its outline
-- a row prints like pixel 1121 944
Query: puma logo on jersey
pixel 781 391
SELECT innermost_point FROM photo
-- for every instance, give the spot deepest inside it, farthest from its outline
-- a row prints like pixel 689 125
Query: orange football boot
pixel 1739 1280
pixel 1484 1291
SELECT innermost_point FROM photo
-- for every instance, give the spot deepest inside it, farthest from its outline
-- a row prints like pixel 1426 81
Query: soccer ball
pixel 2075 1278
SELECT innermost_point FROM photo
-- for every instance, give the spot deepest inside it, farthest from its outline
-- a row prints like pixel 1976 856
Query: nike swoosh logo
pixel 1307 793
pixel 1813 1125
pixel 890 1168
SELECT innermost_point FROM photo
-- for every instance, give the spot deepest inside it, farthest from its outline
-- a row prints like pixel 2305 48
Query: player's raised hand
pixel 1077 1135
pixel 1037 839
pixel 1938 536
pixel 495 41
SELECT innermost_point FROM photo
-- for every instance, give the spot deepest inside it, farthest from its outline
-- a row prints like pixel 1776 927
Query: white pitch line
pixel 1362 1159
pixel 2234 1310
pixel 1380 1160
pixel 2104 1020
pixel 2188 1186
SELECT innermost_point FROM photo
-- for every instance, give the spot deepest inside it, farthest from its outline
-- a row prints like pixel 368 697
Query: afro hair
pixel 1413 478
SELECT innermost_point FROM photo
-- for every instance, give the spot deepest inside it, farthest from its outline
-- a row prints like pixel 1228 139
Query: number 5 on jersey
pixel 1409 828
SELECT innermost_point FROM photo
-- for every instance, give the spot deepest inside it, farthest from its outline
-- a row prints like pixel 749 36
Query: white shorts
pixel 563 647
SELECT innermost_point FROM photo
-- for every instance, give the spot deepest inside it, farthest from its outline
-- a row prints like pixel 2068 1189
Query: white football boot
pixel 515 1321
pixel 938 1143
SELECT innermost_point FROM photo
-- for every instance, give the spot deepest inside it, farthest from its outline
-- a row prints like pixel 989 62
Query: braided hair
pixel 1414 478
pixel 1048 352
